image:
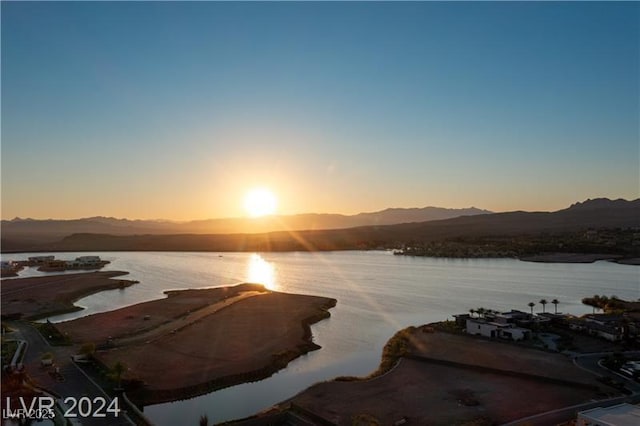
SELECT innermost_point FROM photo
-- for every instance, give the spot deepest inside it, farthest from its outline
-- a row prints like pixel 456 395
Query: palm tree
pixel 555 305
pixel 472 311
pixel 531 305
pixel 543 302
pixel 481 311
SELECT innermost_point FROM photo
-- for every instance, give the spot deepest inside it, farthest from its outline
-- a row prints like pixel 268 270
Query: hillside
pixel 30 231
pixel 591 214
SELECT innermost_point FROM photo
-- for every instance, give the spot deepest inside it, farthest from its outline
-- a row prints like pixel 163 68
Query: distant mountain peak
pixel 600 203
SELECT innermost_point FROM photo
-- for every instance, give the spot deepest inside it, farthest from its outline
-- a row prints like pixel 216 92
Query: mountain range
pixel 590 214
pixel 50 229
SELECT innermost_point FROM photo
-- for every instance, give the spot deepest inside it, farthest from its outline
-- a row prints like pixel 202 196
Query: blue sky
pixel 175 110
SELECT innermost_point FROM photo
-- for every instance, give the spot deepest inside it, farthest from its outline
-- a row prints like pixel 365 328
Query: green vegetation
pixel 116 373
pixel 397 347
pixel 604 303
pixel 51 333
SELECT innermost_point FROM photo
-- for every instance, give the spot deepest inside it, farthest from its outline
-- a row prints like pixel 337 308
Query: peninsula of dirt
pixel 39 297
pixel 196 341
pixel 438 378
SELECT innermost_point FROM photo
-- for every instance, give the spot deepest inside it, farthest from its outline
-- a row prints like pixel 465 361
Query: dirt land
pixel 38 297
pixel 430 393
pixel 144 321
pixel 237 336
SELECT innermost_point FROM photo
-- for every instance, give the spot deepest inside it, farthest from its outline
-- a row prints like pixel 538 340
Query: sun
pixel 260 202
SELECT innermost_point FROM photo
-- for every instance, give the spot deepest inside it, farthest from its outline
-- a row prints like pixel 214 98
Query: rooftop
pixel 617 415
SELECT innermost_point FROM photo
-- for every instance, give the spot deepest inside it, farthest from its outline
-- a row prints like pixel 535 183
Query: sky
pixel 166 110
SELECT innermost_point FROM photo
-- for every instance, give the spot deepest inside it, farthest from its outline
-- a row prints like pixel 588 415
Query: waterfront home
pixel 40 259
pixel 608 327
pixel 483 327
pixel 514 317
pixel 85 262
pixel 461 319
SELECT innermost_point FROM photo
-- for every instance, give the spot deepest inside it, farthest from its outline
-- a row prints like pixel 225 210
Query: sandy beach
pixel 38 297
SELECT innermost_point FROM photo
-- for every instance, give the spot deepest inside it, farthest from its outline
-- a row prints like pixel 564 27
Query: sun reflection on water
pixel 261 272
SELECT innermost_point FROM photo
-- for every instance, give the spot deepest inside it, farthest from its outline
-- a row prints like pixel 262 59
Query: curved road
pixel 75 384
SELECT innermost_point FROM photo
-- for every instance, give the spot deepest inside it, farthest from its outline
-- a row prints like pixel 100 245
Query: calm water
pixel 377 294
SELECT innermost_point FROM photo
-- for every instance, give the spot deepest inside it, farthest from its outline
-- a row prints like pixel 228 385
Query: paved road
pixel 74 383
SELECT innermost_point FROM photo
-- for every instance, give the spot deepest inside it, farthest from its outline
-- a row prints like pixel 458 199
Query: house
pixel 618 415
pixel 86 262
pixel 41 259
pixel 482 327
pixel 514 317
pixel 607 332
pixel 553 318
pixel 608 327
pixel 461 319
pixel 603 319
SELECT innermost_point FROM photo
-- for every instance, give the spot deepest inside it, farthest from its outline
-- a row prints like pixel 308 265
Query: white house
pixel 618 415
pixel 485 328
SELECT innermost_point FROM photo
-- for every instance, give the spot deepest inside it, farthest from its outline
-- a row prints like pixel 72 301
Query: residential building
pixel 617 415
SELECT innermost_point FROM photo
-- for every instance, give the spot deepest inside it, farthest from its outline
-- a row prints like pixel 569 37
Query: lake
pixel 378 294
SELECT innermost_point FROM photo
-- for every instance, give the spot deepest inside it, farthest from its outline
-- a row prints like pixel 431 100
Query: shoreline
pixel 56 294
pixel 153 397
pixel 219 337
pixel 572 258
pixel 478 382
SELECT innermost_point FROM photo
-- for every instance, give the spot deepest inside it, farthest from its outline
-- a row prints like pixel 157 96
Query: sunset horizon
pixel 176 111
pixel 247 216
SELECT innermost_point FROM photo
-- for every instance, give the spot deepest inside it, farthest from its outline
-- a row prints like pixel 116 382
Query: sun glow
pixel 259 271
pixel 260 202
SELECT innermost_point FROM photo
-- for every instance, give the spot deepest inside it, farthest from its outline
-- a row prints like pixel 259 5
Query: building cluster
pixel 82 262
pixel 50 263
pixel 514 325
pixel 612 327
pixel 517 325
